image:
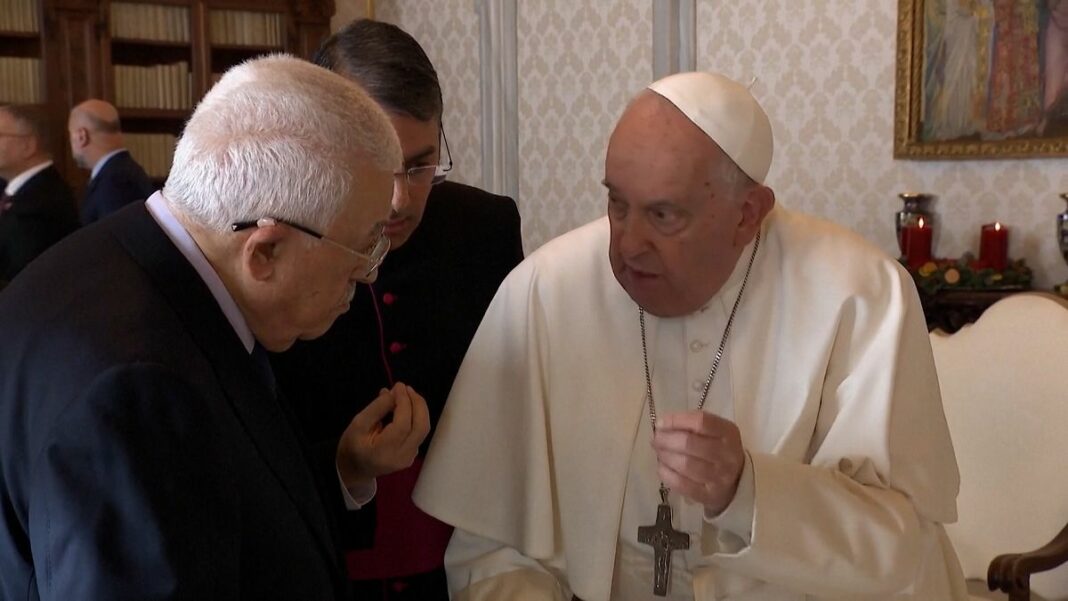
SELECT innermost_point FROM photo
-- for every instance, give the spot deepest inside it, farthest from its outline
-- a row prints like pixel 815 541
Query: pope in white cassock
pixel 702 395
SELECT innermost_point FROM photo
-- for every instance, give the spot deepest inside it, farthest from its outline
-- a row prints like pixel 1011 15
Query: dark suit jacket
pixel 120 181
pixel 141 455
pixel 42 212
pixel 431 294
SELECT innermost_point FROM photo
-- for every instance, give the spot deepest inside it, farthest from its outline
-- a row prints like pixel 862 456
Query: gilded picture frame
pixel 981 79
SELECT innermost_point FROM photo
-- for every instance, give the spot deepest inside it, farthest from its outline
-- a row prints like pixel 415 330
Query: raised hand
pixel 700 456
pixel 371 447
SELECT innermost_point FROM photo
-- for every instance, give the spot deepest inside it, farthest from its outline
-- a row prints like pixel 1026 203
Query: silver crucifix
pixel 665 540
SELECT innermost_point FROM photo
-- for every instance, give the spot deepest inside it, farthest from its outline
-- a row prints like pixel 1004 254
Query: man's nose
pixel 633 236
pixel 401 196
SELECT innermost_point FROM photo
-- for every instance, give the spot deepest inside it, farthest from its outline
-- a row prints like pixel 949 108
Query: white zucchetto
pixel 726 111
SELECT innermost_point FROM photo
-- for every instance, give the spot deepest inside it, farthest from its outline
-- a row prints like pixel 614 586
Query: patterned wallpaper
pixel 448 31
pixel 825 73
pixel 579 63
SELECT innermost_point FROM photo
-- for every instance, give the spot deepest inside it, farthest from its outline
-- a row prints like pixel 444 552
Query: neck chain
pixel 715 363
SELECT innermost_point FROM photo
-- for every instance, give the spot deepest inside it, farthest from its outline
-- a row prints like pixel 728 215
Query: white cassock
pixel 542 458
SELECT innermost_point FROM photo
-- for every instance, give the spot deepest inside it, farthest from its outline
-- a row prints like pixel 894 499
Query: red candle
pixel 994 246
pixel 917 244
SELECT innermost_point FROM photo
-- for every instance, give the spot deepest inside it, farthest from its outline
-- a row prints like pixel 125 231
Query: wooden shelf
pixel 149 52
pixel 268 6
pixel 148 44
pixel 23 45
pixel 24 35
pixel 224 56
pixel 127 114
pixel 166 2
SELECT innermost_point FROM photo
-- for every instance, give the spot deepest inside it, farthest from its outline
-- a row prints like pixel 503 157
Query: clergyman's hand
pixel 370 448
pixel 701 456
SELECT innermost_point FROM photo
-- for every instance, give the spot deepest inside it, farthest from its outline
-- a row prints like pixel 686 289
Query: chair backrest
pixel 1004 384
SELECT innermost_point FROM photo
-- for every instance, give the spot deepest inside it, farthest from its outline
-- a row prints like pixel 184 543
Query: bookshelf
pixel 153 59
pixel 20 52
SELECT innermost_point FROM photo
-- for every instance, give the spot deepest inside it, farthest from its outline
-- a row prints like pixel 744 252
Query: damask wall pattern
pixel 579 63
pixel 448 31
pixel 825 74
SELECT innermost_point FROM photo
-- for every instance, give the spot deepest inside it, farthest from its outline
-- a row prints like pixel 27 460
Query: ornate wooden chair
pixel 1004 384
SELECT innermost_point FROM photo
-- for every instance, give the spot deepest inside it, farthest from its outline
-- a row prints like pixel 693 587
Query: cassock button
pixel 698 345
pixel 389 298
pixel 396 347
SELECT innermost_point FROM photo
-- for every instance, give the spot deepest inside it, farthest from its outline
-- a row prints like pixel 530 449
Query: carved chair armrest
pixel 1011 573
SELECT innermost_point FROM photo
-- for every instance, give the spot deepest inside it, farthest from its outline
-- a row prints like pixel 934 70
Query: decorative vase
pixel 1062 230
pixel 915 209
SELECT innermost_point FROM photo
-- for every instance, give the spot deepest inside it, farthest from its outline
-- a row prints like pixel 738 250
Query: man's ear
pixel 261 252
pixel 757 202
pixel 81 137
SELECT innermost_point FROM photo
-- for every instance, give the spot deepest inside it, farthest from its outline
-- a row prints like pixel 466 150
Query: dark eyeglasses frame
pixel 374 260
pixel 441 172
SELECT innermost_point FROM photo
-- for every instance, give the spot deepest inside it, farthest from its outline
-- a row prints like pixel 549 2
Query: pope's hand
pixel 370 448
pixel 699 455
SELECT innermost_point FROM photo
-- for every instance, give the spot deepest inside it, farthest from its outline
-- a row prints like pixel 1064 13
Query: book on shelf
pixel 19 15
pixel 154 152
pixel 246 28
pixel 154 22
pixel 155 87
pixel 20 80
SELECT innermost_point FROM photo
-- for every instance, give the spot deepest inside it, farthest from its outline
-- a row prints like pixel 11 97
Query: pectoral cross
pixel 665 540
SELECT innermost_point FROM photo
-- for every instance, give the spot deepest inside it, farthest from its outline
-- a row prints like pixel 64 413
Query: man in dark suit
pixel 144 453
pixel 37 207
pixel 452 246
pixel 115 178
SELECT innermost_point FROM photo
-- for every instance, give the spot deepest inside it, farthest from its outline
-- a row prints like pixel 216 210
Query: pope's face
pixel 675 228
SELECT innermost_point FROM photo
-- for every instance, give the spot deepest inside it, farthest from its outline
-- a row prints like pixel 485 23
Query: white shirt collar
pixel 19 180
pixel 104 159
pixel 161 212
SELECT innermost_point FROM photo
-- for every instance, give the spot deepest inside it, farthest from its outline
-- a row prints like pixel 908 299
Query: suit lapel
pixel 272 433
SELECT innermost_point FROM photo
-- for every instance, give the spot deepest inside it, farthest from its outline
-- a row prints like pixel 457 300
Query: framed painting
pixel 981 79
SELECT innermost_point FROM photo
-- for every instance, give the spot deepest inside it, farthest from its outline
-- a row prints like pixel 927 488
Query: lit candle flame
pixel 997 226
pixel 921 223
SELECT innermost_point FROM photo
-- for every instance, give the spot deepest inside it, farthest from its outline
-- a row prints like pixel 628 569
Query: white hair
pixel 278 137
pixel 730 176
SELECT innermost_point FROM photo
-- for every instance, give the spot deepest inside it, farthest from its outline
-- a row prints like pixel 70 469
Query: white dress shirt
pixel 19 180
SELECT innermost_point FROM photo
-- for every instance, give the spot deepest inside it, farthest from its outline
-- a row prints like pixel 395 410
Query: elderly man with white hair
pixel 699 396
pixel 144 452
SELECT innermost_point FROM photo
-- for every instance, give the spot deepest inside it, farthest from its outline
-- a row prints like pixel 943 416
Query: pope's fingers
pixel 716 492
pixel 692 467
pixel 689 443
pixel 725 466
pixel 696 421
pixel 681 484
